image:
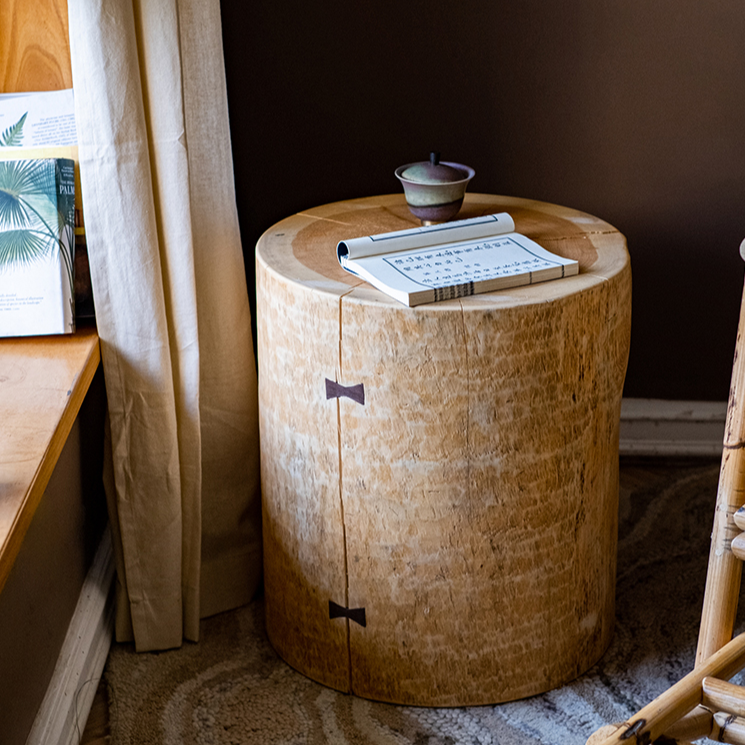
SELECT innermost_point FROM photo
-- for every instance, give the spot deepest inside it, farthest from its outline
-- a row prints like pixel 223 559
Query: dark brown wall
pixel 631 110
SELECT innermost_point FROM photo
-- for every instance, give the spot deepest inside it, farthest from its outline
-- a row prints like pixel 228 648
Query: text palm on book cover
pixel 37 243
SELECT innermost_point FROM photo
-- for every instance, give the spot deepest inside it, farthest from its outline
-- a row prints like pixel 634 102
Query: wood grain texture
pixel 34 46
pixel 304 537
pixel 477 484
pixel 43 381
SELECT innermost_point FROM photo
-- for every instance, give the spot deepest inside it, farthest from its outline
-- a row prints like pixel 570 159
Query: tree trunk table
pixel 440 483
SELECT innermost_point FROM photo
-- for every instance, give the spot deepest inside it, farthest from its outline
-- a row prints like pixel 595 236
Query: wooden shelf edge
pixel 11 546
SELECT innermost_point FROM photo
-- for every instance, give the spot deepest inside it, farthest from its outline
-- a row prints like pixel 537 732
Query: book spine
pixel 454 291
pixel 65 185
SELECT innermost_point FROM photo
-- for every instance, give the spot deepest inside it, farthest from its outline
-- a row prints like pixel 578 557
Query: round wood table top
pixel 302 247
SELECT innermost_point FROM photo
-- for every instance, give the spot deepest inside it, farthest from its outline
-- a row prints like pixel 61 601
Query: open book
pixel 451 260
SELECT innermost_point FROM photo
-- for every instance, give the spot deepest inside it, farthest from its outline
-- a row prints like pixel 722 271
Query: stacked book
pixel 41 229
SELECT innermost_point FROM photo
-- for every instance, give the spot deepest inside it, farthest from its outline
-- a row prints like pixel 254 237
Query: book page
pixel 473 261
pixel 37 119
pixel 430 235
pixel 427 264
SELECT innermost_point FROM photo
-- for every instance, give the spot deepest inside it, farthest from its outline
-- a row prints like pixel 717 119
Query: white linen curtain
pixel 172 311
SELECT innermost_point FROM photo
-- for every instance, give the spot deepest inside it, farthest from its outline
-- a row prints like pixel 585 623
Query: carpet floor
pixel 232 689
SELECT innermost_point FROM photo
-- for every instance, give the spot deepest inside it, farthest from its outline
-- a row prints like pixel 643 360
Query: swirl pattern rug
pixel 232 689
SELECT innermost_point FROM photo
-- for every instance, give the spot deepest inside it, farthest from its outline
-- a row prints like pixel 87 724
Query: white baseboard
pixel 672 428
pixel 64 711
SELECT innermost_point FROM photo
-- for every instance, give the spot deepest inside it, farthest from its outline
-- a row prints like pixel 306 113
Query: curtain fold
pixel 172 311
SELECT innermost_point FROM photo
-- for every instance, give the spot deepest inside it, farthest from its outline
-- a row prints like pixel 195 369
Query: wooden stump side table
pixel 440 484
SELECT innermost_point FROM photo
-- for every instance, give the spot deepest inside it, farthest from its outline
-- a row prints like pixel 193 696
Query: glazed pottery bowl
pixel 434 189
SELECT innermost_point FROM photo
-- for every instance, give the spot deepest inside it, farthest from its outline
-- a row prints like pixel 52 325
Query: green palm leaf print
pixel 13 135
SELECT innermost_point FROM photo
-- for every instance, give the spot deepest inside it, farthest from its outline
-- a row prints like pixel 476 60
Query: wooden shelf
pixel 43 381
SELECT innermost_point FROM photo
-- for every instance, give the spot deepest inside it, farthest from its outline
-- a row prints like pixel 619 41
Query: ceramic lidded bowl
pixel 434 190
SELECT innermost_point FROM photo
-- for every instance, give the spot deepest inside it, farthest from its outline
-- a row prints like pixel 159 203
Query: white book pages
pixel 452 260
pixel 37 119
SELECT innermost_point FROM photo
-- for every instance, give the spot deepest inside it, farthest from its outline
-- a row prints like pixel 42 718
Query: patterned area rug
pixel 232 689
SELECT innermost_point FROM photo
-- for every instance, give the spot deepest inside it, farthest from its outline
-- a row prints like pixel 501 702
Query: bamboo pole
pixel 697 723
pixel 679 712
pixel 657 717
pixel 719 695
pixel 728 728
pixel 724 572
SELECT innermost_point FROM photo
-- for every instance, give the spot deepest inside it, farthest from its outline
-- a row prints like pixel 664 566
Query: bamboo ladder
pixel 703 703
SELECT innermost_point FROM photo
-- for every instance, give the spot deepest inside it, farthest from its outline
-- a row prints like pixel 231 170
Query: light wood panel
pixel 43 381
pixel 34 46
pixel 469 503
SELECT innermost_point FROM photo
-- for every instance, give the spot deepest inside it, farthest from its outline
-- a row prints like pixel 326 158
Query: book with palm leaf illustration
pixel 41 124
pixel 37 243
pixel 83 291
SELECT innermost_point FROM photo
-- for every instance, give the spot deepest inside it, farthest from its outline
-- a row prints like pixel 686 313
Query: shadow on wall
pixel 628 110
